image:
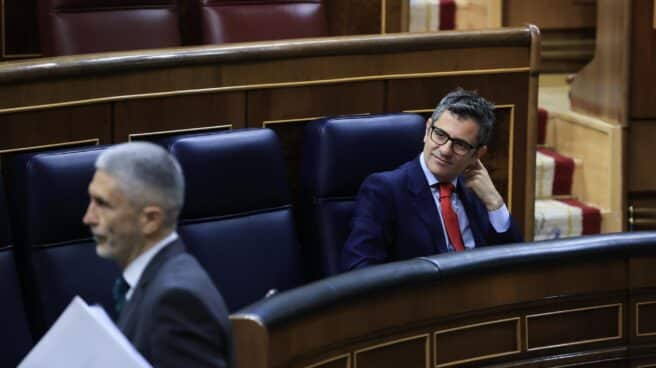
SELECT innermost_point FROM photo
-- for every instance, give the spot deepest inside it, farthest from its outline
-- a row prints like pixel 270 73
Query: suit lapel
pixel 126 321
pixel 424 204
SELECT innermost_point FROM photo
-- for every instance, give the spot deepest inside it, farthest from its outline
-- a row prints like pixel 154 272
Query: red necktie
pixel 449 216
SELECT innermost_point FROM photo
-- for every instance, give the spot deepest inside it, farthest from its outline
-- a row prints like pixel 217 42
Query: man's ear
pixel 429 123
pixel 482 151
pixel 152 218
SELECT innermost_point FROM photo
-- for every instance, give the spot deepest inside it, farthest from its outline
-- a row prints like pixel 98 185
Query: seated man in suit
pixel 442 201
pixel 167 305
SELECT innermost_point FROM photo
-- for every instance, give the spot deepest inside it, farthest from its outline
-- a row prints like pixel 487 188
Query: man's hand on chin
pixel 478 179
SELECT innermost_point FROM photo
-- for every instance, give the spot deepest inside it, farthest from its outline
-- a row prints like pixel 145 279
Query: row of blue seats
pixel 238 218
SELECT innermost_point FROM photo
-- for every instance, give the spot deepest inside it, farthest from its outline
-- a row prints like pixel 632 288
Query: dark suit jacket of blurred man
pixel 173 296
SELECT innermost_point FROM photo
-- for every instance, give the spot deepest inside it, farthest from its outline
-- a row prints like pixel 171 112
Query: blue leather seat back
pixel 49 191
pixel 71 269
pixel 237 219
pixel 5 235
pixel 55 249
pixel 338 154
pixel 15 337
pixel 247 255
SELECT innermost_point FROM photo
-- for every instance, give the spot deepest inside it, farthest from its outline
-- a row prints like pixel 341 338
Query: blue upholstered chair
pixel 237 219
pixel 337 155
pixel 48 196
pixel 15 337
pixel 5 235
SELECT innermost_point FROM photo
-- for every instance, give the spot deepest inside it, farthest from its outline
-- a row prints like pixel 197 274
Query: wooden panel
pixel 424 94
pixel 616 363
pixel 269 104
pixel 343 361
pixel 567 27
pixel 566 51
pixel 111 76
pixel 583 325
pixel 499 159
pixel 408 352
pixel 113 86
pixel 572 319
pixel 643 58
pixel 271 108
pixel 395 16
pixel 389 311
pixel 642 210
pixel 2 29
pixel 270 73
pixel 549 14
pixel 586 359
pixel 477 14
pixel 645 318
pixel 393 65
pixel 253 351
pixel 21 36
pixel 179 112
pixel 477 342
pixel 38 128
pixel 641 138
pixel 350 17
pixel 642 271
pixel 599 180
pixel 601 88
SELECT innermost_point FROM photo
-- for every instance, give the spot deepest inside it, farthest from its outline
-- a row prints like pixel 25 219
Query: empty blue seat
pixel 5 237
pixel 15 337
pixel 337 155
pixel 237 219
pixel 48 197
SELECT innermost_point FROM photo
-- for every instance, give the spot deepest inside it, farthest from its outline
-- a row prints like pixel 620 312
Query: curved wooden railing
pixel 116 97
pixel 588 301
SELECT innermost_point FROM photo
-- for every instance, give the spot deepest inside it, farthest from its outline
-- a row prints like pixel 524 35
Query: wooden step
pixel 597 143
pixel 565 218
pixel 555 174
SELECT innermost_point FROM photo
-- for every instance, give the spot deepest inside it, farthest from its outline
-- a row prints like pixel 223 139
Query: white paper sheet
pixel 84 336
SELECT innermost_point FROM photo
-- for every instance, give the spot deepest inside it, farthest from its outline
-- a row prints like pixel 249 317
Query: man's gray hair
pixel 148 175
pixel 469 105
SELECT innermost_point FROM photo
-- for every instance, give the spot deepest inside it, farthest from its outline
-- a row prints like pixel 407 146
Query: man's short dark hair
pixel 469 105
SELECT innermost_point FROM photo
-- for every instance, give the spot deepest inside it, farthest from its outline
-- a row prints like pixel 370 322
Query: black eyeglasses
pixel 459 146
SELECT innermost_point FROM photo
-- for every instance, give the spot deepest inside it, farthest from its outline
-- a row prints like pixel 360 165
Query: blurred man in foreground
pixel 166 304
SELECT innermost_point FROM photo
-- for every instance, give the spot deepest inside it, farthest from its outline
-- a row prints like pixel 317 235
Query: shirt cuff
pixel 500 219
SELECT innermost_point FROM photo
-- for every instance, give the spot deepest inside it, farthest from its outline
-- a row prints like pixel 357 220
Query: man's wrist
pixel 494 204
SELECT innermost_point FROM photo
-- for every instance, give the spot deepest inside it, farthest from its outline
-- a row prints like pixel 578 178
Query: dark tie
pixel 121 288
pixel 449 216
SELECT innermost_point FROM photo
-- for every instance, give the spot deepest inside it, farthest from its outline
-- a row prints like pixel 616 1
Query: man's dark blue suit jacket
pixel 396 218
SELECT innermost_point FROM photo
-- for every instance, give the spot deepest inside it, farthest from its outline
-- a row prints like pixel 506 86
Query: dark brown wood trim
pixel 179 57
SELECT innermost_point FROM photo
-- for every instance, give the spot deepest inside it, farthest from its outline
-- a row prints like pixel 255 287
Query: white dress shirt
pixel 499 218
pixel 135 269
